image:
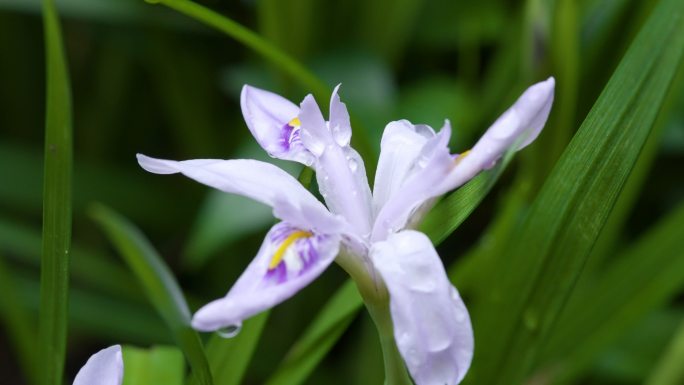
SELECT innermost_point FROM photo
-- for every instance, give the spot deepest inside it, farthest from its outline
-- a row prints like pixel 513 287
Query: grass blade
pixel 273 54
pixel 320 337
pixel 670 370
pixel 158 365
pixel 229 358
pixel 19 325
pixel 159 284
pixel 252 40
pixel 553 244
pixel 54 282
pixel 644 277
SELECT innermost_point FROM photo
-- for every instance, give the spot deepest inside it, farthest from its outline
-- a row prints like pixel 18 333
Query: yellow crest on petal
pixel 280 252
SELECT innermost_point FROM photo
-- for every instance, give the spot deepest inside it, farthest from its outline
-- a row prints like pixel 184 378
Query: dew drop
pixel 229 331
pixel 353 164
pixel 422 161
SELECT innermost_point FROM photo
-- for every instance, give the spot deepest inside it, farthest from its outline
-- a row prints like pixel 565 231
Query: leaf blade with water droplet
pixel 159 284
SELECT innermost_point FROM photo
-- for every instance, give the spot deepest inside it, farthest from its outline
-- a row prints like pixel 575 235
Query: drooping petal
pixel 260 181
pixel 340 171
pixel 289 259
pixel 515 128
pixel 273 121
pixel 103 368
pixel 431 323
pixel 401 145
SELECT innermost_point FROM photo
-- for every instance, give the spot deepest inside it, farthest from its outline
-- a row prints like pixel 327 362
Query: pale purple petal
pixel 516 128
pixel 401 145
pixel 340 171
pixel 289 259
pixel 433 165
pixel 103 368
pixel 260 181
pixel 339 122
pixel 272 120
pixel 432 327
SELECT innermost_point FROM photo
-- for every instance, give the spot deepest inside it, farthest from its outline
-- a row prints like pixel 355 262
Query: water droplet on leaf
pixel 229 331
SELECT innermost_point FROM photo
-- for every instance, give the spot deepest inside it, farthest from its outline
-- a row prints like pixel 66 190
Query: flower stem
pixel 376 298
pixel 395 371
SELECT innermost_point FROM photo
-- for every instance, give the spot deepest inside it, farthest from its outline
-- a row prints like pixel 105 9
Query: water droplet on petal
pixel 422 161
pixel 353 164
pixel 229 331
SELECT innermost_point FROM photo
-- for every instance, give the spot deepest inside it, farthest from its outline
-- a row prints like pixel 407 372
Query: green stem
pixel 376 298
pixel 276 56
pixel 252 40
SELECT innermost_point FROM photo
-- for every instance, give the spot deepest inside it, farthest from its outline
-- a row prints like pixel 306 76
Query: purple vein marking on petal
pixel 290 137
pixel 277 275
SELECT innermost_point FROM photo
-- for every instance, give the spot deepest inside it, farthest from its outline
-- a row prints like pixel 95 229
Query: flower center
pixel 279 254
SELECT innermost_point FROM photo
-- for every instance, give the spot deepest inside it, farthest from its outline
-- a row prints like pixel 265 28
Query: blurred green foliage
pixel 146 78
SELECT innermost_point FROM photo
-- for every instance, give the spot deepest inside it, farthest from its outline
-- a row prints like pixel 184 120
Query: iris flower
pixel 369 234
pixel 103 368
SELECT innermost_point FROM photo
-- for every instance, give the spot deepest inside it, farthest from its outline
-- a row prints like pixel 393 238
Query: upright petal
pixel 431 323
pixel 340 171
pixel 433 165
pixel 514 129
pixel 289 259
pixel 273 121
pixel 260 181
pixel 401 145
pixel 340 124
pixel 103 368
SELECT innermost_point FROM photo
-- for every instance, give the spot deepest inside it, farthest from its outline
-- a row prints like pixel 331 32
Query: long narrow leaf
pixel 159 284
pixel 644 277
pixel 18 323
pixel 670 370
pixel 276 56
pixel 567 217
pixel 158 365
pixel 320 337
pixel 54 287
pixel 229 358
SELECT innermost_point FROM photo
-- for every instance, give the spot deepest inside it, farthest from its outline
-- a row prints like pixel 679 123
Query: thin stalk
pixel 273 54
pixel 54 280
pixel 376 298
pixel 252 40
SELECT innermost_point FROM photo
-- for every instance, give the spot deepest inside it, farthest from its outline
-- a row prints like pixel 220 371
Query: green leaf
pixel 89 267
pixel 644 277
pixel 18 323
pixel 157 365
pixel 448 214
pixel 670 370
pixel 159 284
pixel 320 337
pixel 552 246
pixel 54 286
pixel 229 358
pixel 273 54
pixel 252 40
